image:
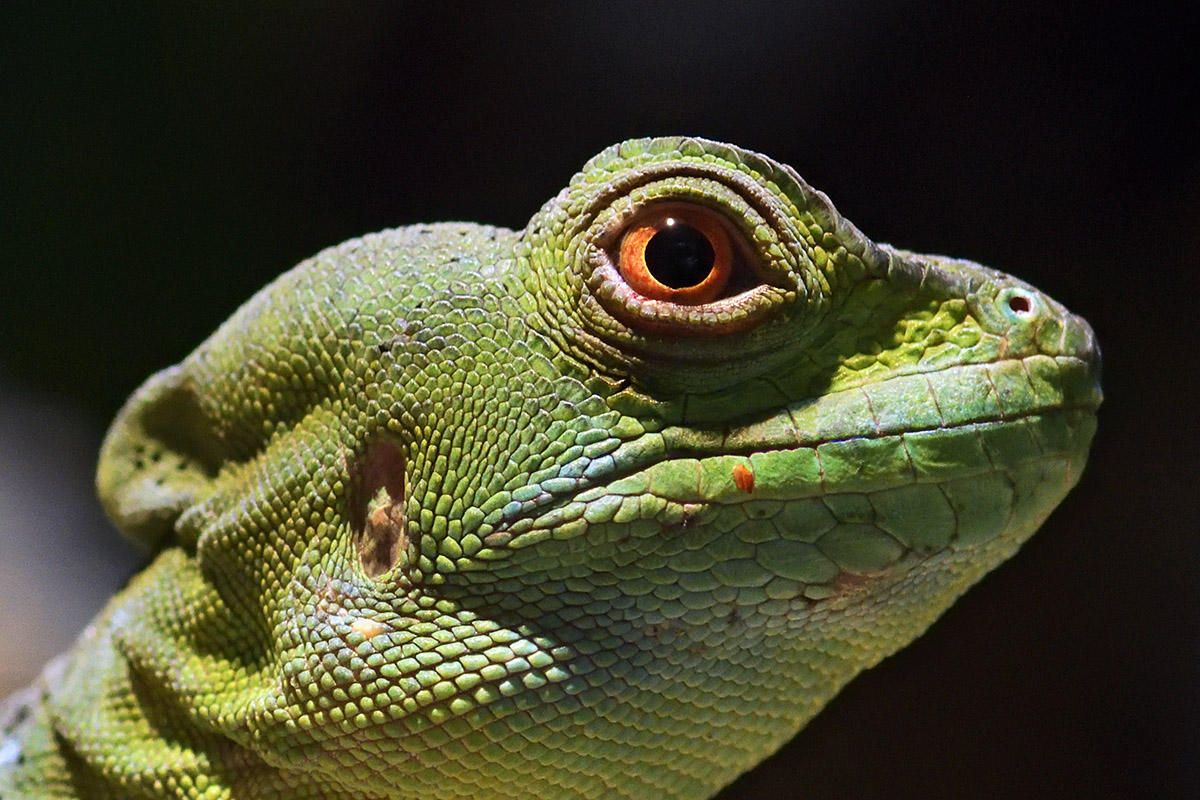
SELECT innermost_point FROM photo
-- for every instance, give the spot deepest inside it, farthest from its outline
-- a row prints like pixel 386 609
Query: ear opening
pixel 377 493
pixel 159 456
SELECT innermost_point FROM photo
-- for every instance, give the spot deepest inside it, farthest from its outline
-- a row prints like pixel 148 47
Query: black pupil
pixel 679 256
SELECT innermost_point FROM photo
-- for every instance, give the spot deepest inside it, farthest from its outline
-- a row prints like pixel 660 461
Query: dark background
pixel 161 163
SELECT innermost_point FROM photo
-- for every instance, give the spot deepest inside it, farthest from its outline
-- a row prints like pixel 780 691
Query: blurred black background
pixel 160 163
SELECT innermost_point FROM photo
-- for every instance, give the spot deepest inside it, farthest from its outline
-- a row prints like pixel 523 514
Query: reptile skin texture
pixel 609 507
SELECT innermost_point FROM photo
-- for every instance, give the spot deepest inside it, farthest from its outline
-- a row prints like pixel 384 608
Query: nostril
pixel 1020 304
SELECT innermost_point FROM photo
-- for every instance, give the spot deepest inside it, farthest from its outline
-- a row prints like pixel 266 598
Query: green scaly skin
pixel 449 511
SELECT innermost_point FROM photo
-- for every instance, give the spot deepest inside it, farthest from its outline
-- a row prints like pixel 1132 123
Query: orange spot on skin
pixel 368 627
pixel 743 478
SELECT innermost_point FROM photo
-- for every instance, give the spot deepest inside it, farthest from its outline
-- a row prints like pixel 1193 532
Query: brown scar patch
pixel 850 582
pixel 377 507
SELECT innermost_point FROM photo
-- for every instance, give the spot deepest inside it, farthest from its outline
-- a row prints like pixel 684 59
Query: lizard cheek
pixel 678 255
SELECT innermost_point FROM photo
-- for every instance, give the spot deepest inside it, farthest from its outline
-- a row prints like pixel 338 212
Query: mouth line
pixel 792 455
pixel 960 450
pixel 948 428
pixel 947 399
pixel 854 465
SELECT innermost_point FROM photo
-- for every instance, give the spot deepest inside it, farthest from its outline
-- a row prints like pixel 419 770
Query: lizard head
pixel 608 506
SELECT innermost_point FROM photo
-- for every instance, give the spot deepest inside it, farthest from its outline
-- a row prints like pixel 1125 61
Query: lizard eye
pixel 684 267
pixel 677 254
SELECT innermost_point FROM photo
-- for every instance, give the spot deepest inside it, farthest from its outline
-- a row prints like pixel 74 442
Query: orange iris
pixel 679 254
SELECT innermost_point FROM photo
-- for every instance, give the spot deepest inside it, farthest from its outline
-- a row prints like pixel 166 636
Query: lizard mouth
pixel 957 423
pixel 839 498
pixel 966 425
pixel 950 398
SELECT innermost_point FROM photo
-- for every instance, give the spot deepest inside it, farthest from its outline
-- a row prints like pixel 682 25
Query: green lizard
pixel 607 507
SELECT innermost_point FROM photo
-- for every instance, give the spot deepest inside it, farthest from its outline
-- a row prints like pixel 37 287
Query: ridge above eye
pixel 677 253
